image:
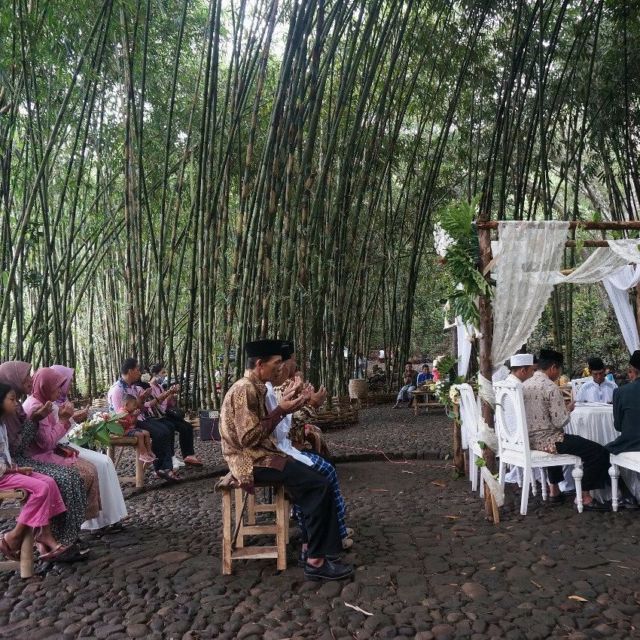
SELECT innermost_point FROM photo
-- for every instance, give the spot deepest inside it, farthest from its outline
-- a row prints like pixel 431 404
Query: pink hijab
pixel 13 373
pixel 45 382
pixel 68 377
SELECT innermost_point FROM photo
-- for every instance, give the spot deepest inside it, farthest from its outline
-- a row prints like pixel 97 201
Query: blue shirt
pixel 424 377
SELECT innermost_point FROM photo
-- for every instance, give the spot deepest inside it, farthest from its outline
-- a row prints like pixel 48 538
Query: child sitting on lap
pixel 129 423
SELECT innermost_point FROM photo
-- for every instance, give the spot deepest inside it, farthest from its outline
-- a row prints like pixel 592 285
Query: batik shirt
pixel 245 430
pixel 546 412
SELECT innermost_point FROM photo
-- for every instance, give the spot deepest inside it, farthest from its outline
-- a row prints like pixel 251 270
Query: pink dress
pixel 50 430
pixel 47 436
pixel 44 501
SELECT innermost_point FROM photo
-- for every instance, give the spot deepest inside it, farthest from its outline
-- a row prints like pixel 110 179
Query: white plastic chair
pixel 626 460
pixel 576 385
pixel 513 444
pixel 470 419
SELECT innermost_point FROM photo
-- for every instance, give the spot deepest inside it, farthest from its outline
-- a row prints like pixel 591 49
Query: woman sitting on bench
pixel 21 433
pixel 47 385
pixel 44 501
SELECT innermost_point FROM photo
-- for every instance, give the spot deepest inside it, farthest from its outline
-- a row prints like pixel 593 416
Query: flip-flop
pixel 57 552
pixel 7 551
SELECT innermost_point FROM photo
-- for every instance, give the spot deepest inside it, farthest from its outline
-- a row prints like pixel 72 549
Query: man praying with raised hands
pixel 246 427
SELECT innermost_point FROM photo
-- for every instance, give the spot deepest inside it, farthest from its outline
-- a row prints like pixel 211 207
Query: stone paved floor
pixel 428 566
pixel 398 433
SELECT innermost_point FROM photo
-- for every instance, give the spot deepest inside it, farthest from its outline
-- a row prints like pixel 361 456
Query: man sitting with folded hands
pixel 246 428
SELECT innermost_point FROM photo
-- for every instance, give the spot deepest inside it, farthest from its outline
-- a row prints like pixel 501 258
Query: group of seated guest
pixel 69 488
pixel 255 454
pixel 412 381
pixel 151 412
pixel 292 438
pixel 547 414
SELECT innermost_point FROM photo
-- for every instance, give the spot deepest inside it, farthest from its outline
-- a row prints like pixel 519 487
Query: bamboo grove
pixel 179 176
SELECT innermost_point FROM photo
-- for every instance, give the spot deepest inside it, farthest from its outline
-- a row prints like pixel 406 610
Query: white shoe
pixel 177 463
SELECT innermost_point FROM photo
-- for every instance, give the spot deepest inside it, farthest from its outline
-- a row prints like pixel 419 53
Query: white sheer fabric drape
pixel 619 297
pixel 526 250
pixel 611 267
pixel 464 332
pixel 600 264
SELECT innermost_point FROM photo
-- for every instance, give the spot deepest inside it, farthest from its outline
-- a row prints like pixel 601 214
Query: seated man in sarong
pixel 246 427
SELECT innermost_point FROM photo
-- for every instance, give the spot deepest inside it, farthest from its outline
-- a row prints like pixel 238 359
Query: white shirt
pixel 280 435
pixel 512 378
pixel 593 392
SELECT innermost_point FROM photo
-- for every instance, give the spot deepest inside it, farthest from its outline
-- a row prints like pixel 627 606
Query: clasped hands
pixel 300 393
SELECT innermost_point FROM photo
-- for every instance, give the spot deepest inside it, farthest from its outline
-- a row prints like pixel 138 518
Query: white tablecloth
pixel 595 422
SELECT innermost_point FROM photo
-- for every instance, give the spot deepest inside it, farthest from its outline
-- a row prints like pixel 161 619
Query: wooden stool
pixel 125 441
pixel 246 507
pixel 26 550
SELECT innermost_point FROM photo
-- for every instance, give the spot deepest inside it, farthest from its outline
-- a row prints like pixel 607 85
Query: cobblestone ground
pixel 381 430
pixel 428 565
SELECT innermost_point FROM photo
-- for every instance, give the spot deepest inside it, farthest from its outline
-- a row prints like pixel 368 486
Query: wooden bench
pixel 25 564
pixel 421 399
pixel 126 441
pixel 246 508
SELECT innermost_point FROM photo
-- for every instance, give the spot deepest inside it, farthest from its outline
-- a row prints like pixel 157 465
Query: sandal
pixel 57 552
pixel 164 474
pixel 7 551
pixel 174 476
pixel 193 461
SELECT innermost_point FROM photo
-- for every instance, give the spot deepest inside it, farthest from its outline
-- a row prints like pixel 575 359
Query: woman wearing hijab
pixel 46 389
pixel 43 503
pixel 112 507
pixel 20 433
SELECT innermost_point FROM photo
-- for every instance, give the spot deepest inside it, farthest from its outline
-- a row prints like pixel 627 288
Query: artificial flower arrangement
pixel 96 432
pixel 444 388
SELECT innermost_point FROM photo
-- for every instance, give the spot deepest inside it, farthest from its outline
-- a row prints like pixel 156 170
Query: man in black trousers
pixel 246 427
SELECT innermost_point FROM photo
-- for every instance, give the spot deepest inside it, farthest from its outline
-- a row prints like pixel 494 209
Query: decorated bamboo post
pixel 458 454
pixel 485 343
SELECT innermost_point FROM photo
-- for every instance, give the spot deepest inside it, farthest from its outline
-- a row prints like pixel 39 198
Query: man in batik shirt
pixel 546 417
pixel 246 428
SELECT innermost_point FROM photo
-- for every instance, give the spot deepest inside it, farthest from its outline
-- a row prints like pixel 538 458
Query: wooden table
pixel 421 399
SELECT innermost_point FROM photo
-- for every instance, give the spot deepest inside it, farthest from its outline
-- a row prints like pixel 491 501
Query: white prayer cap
pixel 521 360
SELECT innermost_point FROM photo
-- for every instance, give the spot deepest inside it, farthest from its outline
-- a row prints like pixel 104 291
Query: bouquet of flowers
pixel 96 432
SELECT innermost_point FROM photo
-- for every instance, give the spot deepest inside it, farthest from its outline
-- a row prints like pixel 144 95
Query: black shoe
pixel 559 499
pixel 596 506
pixel 328 571
pixel 302 559
pixel 628 503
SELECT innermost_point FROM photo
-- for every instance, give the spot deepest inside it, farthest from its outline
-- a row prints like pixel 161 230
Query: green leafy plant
pixel 462 257
pixel 96 432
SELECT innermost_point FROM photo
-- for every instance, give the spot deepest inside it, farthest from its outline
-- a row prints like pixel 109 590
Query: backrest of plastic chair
pixel 511 419
pixel 468 414
pixel 468 406
pixel 576 385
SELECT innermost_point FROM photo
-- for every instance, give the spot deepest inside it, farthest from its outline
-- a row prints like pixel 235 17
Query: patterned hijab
pixel 13 373
pixel 45 382
pixel 68 377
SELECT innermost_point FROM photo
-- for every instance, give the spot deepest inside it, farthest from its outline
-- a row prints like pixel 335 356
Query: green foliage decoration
pixel 96 432
pixel 461 259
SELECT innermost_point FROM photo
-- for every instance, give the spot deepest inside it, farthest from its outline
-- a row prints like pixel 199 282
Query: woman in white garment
pixel 113 509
